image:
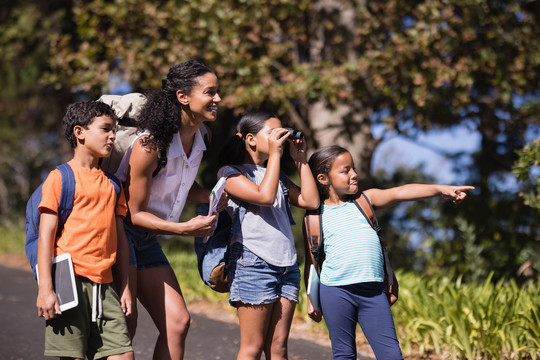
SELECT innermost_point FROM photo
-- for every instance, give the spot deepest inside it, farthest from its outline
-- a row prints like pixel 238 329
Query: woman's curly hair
pixel 161 113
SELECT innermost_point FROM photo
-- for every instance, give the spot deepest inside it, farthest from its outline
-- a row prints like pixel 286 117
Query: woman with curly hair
pixel 159 172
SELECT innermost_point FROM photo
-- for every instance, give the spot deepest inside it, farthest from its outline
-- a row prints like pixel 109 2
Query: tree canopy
pixel 333 69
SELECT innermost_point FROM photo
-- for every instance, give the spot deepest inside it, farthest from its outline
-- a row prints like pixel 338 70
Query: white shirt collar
pixel 176 149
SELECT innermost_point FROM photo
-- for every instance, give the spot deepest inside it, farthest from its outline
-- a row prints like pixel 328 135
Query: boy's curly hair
pixel 162 112
pixel 83 113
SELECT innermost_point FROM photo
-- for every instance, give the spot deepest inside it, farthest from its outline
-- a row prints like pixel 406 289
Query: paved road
pixel 22 332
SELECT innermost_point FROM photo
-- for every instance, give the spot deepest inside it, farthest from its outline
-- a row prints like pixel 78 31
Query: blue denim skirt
pixel 255 282
pixel 144 249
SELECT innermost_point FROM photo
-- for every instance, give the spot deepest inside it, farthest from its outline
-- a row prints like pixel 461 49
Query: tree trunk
pixel 347 127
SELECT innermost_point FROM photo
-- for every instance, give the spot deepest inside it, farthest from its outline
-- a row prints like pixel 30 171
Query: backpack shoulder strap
pixel 313 240
pixel 365 207
pixel 162 161
pixel 116 183
pixel 284 180
pixel 206 134
pixel 242 207
pixel 65 205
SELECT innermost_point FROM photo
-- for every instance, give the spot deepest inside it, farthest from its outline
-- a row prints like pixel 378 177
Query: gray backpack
pixel 127 108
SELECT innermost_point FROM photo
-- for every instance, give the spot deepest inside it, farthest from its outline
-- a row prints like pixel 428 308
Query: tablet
pixel 313 287
pixel 63 279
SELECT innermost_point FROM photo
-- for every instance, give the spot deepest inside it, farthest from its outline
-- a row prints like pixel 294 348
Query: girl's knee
pixel 389 353
pixel 251 351
pixel 180 324
pixel 278 351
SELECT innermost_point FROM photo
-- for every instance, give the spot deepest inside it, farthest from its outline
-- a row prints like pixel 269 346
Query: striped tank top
pixel 352 247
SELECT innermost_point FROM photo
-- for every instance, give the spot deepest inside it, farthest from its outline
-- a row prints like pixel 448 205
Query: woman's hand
pixel 200 226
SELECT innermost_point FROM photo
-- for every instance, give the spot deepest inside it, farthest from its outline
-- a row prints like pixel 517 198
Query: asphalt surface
pixel 22 332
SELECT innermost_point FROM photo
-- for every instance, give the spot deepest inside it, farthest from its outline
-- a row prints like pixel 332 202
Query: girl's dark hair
pixel 234 151
pixel 161 113
pixel 320 163
pixel 83 113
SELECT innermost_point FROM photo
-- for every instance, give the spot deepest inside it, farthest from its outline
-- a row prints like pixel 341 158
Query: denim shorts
pixel 255 282
pixel 144 249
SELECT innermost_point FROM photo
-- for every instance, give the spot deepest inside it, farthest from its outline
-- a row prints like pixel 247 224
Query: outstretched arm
pixel 381 199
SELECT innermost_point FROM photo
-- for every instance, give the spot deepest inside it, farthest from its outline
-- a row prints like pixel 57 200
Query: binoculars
pixel 295 134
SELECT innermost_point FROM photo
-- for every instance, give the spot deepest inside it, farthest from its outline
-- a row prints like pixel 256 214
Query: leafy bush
pixel 468 321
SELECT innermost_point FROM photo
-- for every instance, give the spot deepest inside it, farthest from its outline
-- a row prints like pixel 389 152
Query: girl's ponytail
pixel 234 152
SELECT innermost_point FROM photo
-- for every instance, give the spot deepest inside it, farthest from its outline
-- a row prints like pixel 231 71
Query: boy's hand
pixel 47 305
pixel 457 193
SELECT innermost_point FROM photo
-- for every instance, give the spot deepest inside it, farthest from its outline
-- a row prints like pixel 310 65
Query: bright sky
pixel 397 151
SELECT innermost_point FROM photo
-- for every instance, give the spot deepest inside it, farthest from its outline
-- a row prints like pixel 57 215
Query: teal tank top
pixel 353 250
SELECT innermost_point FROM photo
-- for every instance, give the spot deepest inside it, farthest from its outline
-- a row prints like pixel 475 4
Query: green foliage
pixel 330 68
pixel 29 111
pixel 523 169
pixel 468 320
pixel 12 239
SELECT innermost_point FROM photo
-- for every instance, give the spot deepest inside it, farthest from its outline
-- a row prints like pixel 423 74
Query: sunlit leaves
pixel 468 321
pixel 527 170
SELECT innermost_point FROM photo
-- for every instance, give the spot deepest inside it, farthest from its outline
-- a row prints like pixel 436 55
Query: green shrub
pixel 468 321
pixel 12 239
pixel 489 320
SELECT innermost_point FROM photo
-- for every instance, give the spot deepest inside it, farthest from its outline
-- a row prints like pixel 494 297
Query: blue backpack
pixel 65 206
pixel 213 254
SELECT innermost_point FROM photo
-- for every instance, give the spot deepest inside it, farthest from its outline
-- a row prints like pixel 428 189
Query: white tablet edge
pixel 313 287
pixel 75 301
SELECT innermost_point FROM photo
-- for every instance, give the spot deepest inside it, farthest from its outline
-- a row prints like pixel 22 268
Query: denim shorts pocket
pixel 248 259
